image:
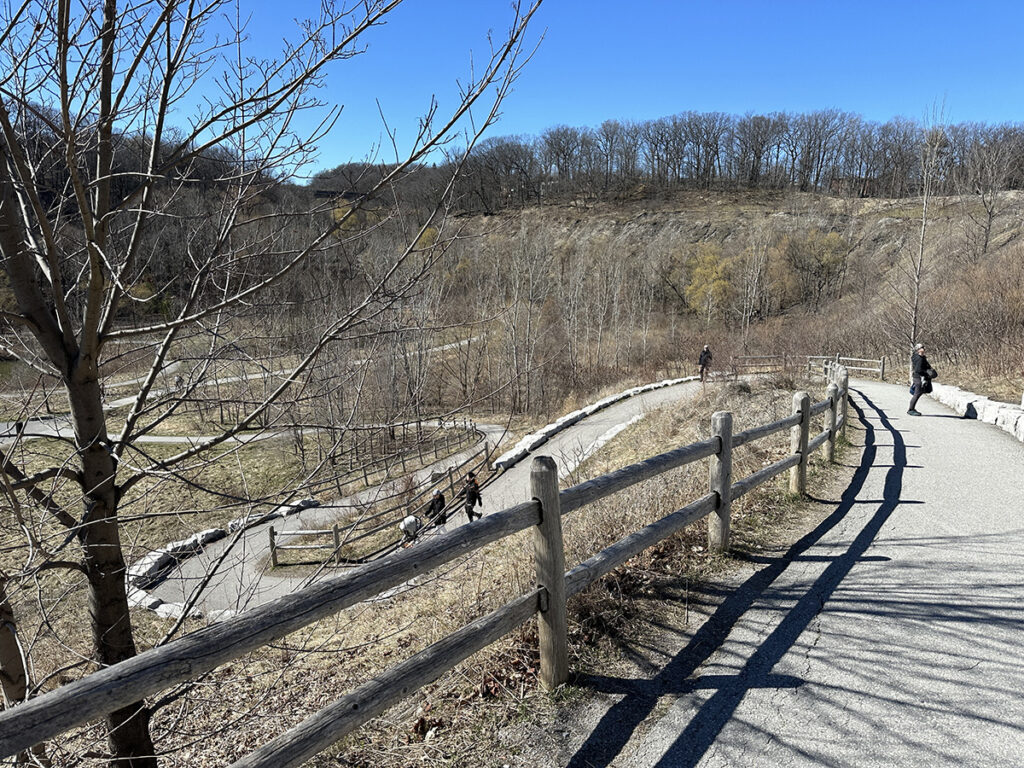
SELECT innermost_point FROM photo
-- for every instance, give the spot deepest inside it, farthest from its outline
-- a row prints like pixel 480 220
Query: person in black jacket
pixel 435 509
pixel 921 374
pixel 472 497
pixel 704 361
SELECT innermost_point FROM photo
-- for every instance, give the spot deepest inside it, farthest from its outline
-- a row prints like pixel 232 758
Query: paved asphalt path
pixel 232 574
pixel 241 580
pixel 890 635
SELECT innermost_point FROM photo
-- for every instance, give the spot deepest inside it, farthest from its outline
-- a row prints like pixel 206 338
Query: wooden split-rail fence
pixel 747 364
pixel 180 661
pixel 824 363
pixel 380 520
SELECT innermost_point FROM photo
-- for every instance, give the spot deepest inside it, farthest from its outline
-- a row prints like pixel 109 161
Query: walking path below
pixel 241 579
pixel 892 634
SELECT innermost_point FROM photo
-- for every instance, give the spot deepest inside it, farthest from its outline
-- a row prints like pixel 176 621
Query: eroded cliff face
pixel 837 272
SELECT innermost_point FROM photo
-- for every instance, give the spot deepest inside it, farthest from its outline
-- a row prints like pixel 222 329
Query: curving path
pixel 60 425
pixel 241 580
pixel 891 634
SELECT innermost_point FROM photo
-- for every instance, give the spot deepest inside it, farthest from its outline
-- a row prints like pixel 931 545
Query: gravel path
pixel 891 634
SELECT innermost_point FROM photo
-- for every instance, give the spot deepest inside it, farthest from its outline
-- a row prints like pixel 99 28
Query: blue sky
pixel 645 59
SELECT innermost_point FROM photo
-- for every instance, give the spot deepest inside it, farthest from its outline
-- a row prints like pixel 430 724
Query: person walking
pixel 921 373
pixel 435 509
pixel 704 361
pixel 472 497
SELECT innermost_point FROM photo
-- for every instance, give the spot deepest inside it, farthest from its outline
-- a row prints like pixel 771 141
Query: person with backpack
pixel 704 361
pixel 921 375
pixel 472 497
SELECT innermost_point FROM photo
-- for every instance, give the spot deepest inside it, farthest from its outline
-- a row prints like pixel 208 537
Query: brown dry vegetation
pixel 455 722
pixel 830 265
pixel 829 280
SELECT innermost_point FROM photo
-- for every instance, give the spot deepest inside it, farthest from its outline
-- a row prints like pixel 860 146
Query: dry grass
pixel 1007 389
pixel 455 721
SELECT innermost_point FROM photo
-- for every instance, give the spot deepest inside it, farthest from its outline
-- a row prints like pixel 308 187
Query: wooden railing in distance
pixel 745 364
pixel 476 462
pixel 184 659
pixel 823 363
pixel 366 469
pixel 335 546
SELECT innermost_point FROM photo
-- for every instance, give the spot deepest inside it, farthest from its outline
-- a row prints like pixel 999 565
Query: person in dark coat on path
pixel 921 373
pixel 704 361
pixel 472 497
pixel 435 509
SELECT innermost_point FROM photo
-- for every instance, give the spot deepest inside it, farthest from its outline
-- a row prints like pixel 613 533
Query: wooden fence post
pixel 721 483
pixel 337 545
pixel 844 382
pixel 832 393
pixel 549 558
pixel 798 442
pixel 881 373
pixel 273 547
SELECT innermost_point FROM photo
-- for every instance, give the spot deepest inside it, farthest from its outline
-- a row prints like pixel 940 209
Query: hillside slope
pixel 799 273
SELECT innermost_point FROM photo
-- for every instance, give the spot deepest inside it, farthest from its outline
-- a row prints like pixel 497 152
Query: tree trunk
pixel 128 728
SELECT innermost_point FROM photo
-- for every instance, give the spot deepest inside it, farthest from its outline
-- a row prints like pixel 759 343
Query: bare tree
pixel 754 136
pixel 92 173
pixel 907 281
pixel 990 157
pixel 609 142
pixel 523 278
pixel 751 273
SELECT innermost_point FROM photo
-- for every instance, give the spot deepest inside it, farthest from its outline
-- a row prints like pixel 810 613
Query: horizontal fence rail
pixel 607 560
pixel 157 669
pixel 184 659
pixel 823 363
pixel 605 485
pixel 371 699
pixel 750 435
pixel 749 483
pixel 476 462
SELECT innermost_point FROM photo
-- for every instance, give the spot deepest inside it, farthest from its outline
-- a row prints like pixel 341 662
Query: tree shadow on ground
pixel 616 727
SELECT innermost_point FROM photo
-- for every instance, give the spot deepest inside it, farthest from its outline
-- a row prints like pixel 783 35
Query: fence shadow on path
pixel 641 696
